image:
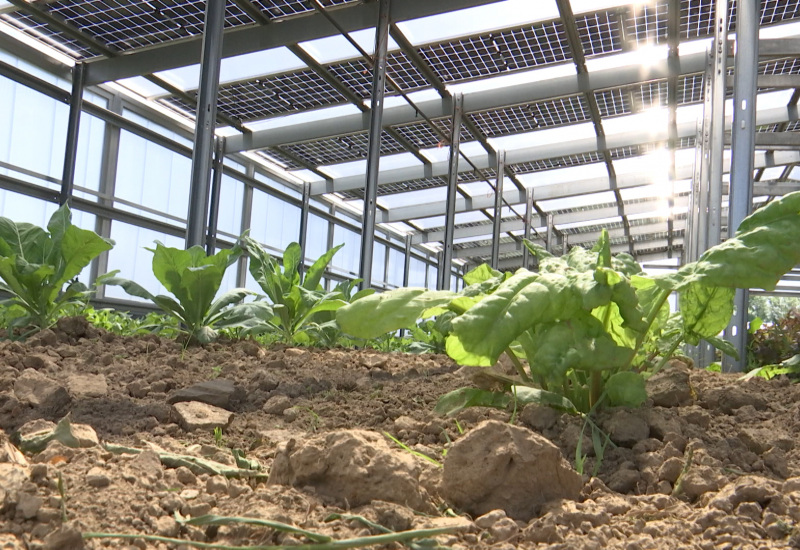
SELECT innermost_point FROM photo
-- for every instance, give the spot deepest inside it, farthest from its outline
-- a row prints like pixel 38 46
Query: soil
pixel 709 462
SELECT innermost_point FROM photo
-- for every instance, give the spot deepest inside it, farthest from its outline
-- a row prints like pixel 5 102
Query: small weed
pixel 408 449
pixel 219 439
pixel 216 371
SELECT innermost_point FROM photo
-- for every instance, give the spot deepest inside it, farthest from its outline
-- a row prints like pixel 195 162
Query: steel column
pixel 564 244
pixel 407 261
pixel 498 208
pixel 303 239
pixel 108 183
pixel 452 189
pixel 205 121
pixel 374 150
pixel 247 217
pixel 551 234
pixel 73 127
pixel 329 243
pixel 216 185
pixel 742 161
pixel 526 255
pixel 717 138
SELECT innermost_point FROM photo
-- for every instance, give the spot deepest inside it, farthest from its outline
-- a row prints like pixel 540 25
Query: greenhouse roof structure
pixel 586 113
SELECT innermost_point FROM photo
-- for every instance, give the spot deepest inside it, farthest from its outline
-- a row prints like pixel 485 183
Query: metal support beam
pixel 564 245
pixel 216 187
pixel 247 217
pixel 407 261
pixel 329 242
pixel 717 137
pixel 303 237
pixel 452 189
pixel 205 122
pixel 73 127
pixel 498 208
pixel 374 150
pixel 526 254
pixel 742 150
pixel 550 239
pixel 107 188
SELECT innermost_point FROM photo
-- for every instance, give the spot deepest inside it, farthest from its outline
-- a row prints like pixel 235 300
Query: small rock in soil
pixel 670 387
pixel 498 466
pixel 39 391
pixel 730 398
pixel 700 480
pixel 87 385
pixel 64 538
pixel 351 467
pixel 626 428
pixel 539 417
pixel 219 392
pixel 96 477
pixel 277 404
pixel 193 415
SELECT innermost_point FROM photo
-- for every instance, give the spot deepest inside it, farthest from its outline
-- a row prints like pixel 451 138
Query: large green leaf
pixel 78 248
pixel 450 404
pixel 763 249
pixel 24 240
pixel 482 273
pixel 378 314
pixel 485 330
pixel 317 269
pixel 706 310
pixel 626 389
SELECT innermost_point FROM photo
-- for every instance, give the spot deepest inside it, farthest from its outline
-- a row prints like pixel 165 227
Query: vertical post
pixel 717 142
pixel 407 262
pixel 452 188
pixel 329 243
pixel 742 151
pixel 108 183
pixel 551 234
pixel 216 185
pixel 303 239
pixel 564 244
pixel 205 121
pixel 498 208
pixel 386 265
pixel 526 255
pixel 247 217
pixel 73 127
pixel 374 150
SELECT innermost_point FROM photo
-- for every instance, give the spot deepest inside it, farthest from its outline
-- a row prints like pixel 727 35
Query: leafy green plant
pixel 775 343
pixel 581 323
pixel 295 299
pixel 322 327
pixel 35 264
pixel 194 280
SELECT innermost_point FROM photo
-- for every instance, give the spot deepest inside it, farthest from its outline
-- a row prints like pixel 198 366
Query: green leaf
pixel 723 345
pixel 762 250
pixel 456 401
pixel 291 260
pixel 527 395
pixel 485 330
pixel 378 314
pixel 626 389
pixel 78 248
pixel 317 269
pixel 131 287
pixel 706 310
pixel 482 273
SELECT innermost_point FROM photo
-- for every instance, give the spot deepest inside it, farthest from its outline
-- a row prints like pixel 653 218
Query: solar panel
pixel 498 52
pixel 340 149
pixel 422 136
pixel 600 33
pixel 524 118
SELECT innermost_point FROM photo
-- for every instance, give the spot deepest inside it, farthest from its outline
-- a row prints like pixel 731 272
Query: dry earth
pixel 710 462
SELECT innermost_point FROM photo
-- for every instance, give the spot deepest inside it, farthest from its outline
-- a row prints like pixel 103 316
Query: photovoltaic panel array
pixel 279 9
pixel 357 75
pixel 385 189
pixel 647 23
pixel 271 96
pixel 123 26
pixel 340 149
pixel 524 118
pixel 697 16
pixel 51 36
pixel 498 52
pixel 600 33
pixel 482 175
pixel 557 162
pixel 422 136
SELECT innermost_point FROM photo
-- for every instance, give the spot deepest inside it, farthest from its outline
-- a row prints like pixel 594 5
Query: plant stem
pixel 650 320
pixel 668 355
pixel 596 388
pixel 518 366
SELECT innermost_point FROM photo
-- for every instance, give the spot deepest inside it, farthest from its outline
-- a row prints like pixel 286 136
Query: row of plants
pixel 586 329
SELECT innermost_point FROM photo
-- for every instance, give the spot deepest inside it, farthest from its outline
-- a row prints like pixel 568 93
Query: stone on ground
pixel 498 466
pixel 219 392
pixel 193 415
pixel 39 391
pixel 87 385
pixel 670 387
pixel 351 467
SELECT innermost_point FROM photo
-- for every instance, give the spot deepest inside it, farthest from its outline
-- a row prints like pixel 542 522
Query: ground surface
pixel 710 462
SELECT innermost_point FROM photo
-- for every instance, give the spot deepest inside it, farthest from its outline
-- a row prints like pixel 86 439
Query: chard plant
pixel 298 302
pixel 36 264
pixel 194 279
pixel 578 330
